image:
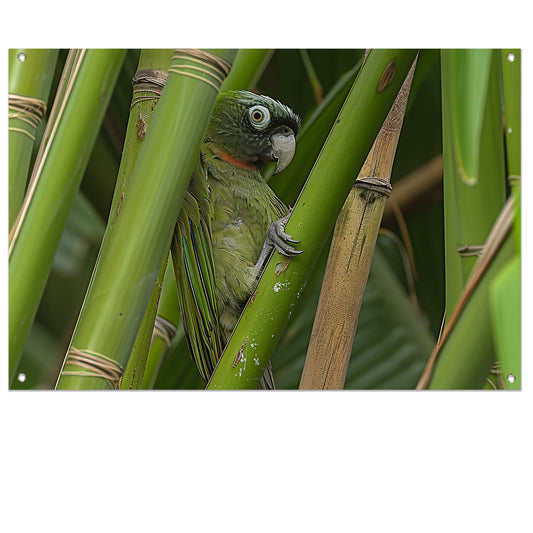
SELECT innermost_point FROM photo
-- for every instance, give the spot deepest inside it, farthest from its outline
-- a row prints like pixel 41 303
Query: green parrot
pixel 231 220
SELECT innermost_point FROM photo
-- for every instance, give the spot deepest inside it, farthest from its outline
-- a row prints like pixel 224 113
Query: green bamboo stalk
pixel 511 65
pixel 247 68
pixel 36 233
pixel 153 64
pixel 166 328
pixel 350 257
pixel 312 219
pixel 132 255
pixel 505 289
pixel 505 299
pixel 134 374
pixel 474 174
pixel 142 110
pixel 30 77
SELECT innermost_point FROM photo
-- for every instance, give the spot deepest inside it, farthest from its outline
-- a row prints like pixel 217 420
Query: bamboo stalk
pixel 148 82
pixel 511 75
pixel 313 217
pixel 54 181
pixel 30 79
pixel 132 255
pixel 247 68
pixel 166 328
pixel 350 257
pixel 134 374
pixel 473 159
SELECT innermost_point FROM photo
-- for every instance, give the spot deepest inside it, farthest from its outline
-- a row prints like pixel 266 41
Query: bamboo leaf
pixel 312 75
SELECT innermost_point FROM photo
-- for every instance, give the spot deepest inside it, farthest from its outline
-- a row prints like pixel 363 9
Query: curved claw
pixel 279 240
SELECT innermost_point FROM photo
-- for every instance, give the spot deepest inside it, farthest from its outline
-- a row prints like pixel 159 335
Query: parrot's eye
pixel 259 116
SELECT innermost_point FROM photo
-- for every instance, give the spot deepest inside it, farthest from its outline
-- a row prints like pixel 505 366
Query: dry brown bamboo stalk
pixel 350 257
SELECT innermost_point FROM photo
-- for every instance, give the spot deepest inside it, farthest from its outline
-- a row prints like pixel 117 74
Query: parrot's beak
pixel 283 148
pixel 280 148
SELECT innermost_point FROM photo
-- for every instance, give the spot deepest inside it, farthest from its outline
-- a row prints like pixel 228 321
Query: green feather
pixel 222 225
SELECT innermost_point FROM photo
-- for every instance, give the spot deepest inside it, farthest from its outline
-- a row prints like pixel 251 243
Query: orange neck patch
pixel 232 161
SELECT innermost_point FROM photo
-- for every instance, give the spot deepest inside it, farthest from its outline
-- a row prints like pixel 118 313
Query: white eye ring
pixel 259 116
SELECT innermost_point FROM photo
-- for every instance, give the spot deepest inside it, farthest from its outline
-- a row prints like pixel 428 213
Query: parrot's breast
pixel 243 208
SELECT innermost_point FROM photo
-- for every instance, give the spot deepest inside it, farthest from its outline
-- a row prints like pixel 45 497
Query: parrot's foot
pixel 278 240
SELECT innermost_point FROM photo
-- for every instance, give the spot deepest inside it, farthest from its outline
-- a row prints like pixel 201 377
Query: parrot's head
pixel 252 129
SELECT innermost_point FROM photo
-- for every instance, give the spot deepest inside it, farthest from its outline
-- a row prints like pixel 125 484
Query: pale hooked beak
pixel 280 147
pixel 283 148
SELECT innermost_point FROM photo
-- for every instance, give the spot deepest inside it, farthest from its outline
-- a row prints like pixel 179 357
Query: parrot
pixel 231 220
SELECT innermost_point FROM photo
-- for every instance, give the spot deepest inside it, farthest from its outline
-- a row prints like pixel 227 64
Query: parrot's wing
pixel 192 256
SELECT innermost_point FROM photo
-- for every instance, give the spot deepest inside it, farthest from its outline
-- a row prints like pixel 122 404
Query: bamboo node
pixel 27 109
pixel 374 183
pixel 98 366
pixel 147 86
pixel 150 77
pixel 388 75
pixel 514 179
pixel 211 70
pixel 164 329
pixel 469 250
